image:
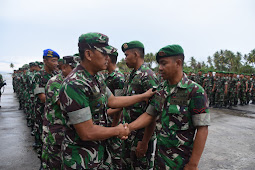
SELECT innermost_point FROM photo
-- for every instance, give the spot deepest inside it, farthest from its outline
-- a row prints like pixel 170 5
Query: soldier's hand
pixel 190 167
pixel 141 149
pixel 149 94
pixel 123 131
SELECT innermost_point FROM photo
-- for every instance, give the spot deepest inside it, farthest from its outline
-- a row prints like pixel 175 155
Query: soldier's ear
pixel 179 62
pixel 88 55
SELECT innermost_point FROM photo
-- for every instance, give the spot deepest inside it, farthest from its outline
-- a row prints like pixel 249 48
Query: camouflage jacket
pixel 83 97
pixel 180 108
pixel 53 120
pixel 199 80
pixel 115 82
pixel 138 82
pixel 232 84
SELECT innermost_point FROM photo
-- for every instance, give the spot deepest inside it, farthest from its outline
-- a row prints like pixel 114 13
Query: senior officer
pixel 181 106
pixel 84 100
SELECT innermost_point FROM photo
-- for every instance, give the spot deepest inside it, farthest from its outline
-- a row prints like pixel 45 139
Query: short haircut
pixel 140 51
pixel 181 57
pixel 113 58
pixel 81 51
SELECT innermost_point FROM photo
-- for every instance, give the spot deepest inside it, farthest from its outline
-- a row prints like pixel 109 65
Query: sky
pixel 201 27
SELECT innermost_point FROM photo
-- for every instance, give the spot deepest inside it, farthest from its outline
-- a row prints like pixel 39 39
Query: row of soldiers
pixel 79 114
pixel 225 88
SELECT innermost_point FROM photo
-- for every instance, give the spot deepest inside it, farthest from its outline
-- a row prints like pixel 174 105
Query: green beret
pixel 60 60
pixel 76 54
pixel 131 45
pixel 168 51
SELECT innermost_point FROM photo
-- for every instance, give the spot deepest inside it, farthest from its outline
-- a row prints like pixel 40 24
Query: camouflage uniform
pixel 242 89
pixel 115 82
pixel 248 93
pixel 41 79
pixel 232 91
pixel 199 80
pixel 83 97
pixel 139 81
pixel 253 91
pixel 53 125
pixel 209 81
pixel 219 93
pixel 181 108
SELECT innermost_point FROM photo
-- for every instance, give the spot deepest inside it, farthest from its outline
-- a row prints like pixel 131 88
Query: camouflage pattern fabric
pixel 248 93
pixel 53 125
pixel 82 94
pixel 136 83
pixel 232 91
pixel 242 89
pixel 219 93
pixel 181 108
pixel 115 82
pixel 41 79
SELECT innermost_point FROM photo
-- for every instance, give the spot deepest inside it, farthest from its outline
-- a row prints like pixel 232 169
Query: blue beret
pixel 50 53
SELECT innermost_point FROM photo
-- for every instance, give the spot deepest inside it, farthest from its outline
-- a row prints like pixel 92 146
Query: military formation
pixel 226 89
pixel 84 113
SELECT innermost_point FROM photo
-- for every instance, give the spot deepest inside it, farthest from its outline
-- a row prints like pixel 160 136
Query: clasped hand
pixel 123 131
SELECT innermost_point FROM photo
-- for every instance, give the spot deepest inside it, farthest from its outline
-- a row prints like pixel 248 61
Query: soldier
pixel 243 88
pixel 53 120
pixel 248 93
pixel 208 86
pixel 253 89
pixel 183 116
pixel 220 90
pixel 84 100
pixel 199 78
pixel 115 82
pixel 236 91
pixel 142 78
pixel 41 78
pixel 232 90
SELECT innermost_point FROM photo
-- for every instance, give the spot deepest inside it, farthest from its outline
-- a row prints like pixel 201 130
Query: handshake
pixel 124 131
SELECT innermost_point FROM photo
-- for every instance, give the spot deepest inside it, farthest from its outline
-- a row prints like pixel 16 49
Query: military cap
pixel 31 64
pixel 70 61
pixel 94 40
pixel 50 53
pixel 112 51
pixel 169 51
pixel 131 45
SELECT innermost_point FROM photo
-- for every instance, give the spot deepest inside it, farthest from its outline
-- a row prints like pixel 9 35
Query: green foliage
pixel 225 60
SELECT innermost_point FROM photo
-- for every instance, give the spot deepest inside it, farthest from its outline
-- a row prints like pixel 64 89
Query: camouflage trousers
pixel 113 145
pixel 129 159
pixel 51 157
pixel 77 157
pixel 248 96
pixel 231 97
pixel 219 97
pixel 242 96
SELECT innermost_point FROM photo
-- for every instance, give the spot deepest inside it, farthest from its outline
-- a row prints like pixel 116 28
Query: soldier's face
pixel 66 69
pixel 130 58
pixel 51 63
pixel 100 60
pixel 167 68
